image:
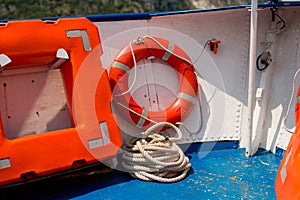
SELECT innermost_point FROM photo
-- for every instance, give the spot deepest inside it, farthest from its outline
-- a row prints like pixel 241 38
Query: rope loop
pixel 156 157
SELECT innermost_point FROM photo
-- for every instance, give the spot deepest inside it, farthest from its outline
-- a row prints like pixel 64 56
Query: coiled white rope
pixel 156 157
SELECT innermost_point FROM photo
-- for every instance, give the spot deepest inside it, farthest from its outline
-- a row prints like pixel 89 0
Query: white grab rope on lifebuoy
pixel 156 157
pixel 139 41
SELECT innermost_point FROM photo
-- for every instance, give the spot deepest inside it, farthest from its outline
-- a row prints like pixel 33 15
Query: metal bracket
pixel 104 132
pixel 84 36
pixel 259 94
pixel 283 173
pixel 5 163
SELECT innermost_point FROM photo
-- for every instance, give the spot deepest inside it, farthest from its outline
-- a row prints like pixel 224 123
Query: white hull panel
pixel 223 76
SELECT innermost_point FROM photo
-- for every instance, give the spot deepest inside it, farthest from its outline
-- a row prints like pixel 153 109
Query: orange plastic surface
pixel 288 177
pixel 33 43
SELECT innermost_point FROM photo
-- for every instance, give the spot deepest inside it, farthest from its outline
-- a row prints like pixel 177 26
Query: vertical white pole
pixel 252 67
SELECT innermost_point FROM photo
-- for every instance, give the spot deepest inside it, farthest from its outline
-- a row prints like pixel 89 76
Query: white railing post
pixel 252 67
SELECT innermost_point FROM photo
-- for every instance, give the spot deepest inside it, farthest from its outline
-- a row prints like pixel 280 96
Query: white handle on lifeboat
pixel 4 60
pixel 61 56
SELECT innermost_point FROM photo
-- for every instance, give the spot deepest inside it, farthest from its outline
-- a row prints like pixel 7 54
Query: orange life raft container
pixel 174 56
pixel 94 135
pixel 287 183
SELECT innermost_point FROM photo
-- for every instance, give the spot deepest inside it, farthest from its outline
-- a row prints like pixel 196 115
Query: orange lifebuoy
pixel 174 56
pixel 297 107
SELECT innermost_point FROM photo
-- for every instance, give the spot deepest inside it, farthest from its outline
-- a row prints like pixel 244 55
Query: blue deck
pixel 221 174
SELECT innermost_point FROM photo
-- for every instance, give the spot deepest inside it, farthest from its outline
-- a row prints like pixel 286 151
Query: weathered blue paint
pixel 217 174
pixel 220 174
pixel 279 152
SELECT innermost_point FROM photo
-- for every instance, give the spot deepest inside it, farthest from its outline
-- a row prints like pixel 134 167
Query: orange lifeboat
pixel 288 177
pixel 73 47
pixel 172 55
